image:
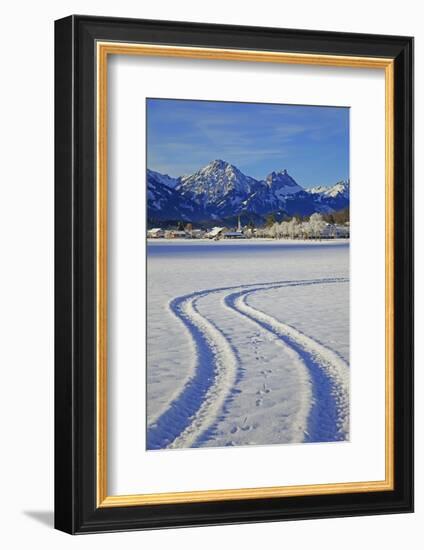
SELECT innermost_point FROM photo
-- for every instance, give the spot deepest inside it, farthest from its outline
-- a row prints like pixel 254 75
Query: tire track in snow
pixel 328 418
pixel 204 394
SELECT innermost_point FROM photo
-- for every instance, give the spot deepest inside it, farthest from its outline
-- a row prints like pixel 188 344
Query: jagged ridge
pixel 220 191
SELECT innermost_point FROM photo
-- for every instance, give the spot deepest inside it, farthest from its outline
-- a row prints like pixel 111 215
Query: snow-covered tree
pixel 306 230
pixel 275 231
pixel 317 224
pixel 284 229
pixel 293 228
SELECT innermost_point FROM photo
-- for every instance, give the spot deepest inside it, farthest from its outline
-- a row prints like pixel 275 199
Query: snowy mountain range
pixel 220 192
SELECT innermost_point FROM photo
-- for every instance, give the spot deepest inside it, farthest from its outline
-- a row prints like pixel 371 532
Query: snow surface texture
pixel 248 343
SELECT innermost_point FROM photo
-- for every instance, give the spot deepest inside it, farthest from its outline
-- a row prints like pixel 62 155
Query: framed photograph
pixel 234 284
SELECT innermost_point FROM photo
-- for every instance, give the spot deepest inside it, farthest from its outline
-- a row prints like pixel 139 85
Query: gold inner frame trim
pixel 104 49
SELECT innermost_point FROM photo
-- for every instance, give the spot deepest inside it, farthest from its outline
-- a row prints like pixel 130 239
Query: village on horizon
pixel 316 227
pixel 220 202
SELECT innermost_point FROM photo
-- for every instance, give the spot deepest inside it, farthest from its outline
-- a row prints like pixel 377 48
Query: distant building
pixel 175 234
pixel 341 231
pixel 155 233
pixel 234 235
pixel 216 233
pixel 197 233
pixel 335 231
pixel 239 230
pixel 327 231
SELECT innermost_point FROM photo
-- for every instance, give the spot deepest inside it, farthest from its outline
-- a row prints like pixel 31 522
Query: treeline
pixel 311 227
pixel 340 217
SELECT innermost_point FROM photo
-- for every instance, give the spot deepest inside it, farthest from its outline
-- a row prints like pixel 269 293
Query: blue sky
pixel 312 143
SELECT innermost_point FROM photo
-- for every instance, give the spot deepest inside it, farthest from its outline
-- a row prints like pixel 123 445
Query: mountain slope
pixel 165 203
pixel 219 188
pixel 273 194
pixel 220 192
pixel 333 198
pixel 164 179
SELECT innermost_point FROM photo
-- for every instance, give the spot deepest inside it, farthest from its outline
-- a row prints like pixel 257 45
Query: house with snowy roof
pixel 155 233
pixel 216 232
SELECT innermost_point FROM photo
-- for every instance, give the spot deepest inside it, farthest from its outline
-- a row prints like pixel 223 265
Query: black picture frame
pixel 76 509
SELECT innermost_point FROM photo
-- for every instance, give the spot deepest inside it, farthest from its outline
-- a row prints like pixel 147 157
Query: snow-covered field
pixel 248 342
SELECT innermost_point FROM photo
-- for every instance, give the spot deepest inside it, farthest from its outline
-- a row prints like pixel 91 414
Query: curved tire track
pixel 196 408
pixel 329 414
pixel 202 398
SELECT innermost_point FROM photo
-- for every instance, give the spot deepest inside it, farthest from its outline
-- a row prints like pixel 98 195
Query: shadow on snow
pixel 322 421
